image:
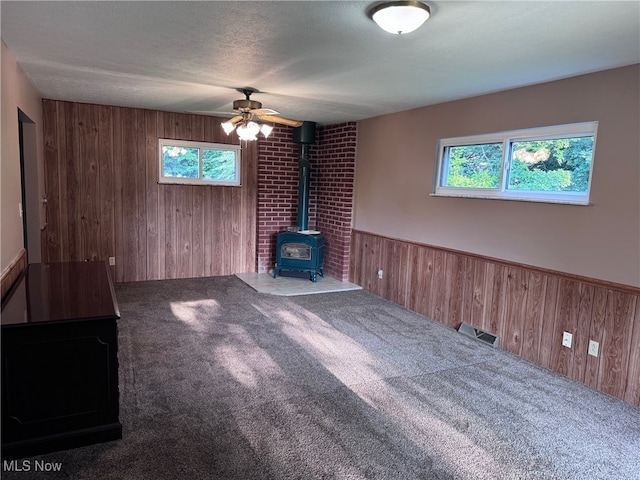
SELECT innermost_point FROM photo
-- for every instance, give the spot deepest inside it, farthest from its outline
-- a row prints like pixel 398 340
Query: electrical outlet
pixel 380 272
pixel 112 261
pixel 593 348
pixel 566 339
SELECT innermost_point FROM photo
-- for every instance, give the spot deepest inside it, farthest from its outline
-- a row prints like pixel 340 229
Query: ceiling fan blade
pixel 264 111
pixel 216 113
pixel 283 121
pixel 235 119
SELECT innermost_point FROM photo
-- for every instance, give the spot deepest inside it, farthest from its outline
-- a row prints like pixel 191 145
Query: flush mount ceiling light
pixel 400 17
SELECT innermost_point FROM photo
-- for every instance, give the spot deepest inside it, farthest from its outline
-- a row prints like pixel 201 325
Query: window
pixel 199 163
pixel 549 164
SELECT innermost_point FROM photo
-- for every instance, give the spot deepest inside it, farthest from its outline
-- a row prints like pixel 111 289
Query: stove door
pixel 295 251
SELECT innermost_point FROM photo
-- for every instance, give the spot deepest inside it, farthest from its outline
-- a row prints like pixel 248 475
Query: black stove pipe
pixel 304 136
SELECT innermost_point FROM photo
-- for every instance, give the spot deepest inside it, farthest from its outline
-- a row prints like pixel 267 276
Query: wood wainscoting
pixel 13 271
pixel 528 307
pixel 104 200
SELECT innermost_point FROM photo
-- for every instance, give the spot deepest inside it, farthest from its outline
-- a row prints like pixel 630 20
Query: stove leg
pixel 275 272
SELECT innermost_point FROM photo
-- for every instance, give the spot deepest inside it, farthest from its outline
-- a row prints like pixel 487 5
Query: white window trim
pixel 506 138
pixel 200 145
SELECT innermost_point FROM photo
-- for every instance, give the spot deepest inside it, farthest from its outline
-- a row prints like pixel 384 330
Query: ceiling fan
pixel 246 111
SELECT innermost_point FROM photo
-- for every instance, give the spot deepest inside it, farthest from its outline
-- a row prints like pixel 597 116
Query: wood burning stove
pixel 301 250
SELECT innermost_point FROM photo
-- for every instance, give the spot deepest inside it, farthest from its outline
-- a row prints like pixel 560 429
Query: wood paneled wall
pixel 529 308
pixel 101 173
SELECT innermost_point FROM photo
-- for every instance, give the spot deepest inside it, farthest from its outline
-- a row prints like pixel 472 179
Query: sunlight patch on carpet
pixel 195 313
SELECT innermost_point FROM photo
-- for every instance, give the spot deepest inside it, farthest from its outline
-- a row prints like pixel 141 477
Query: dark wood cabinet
pixel 59 359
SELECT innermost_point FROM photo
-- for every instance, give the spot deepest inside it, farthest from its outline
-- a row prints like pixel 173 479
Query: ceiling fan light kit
pixel 228 127
pixel 400 17
pixel 266 129
pixel 243 123
pixel 248 131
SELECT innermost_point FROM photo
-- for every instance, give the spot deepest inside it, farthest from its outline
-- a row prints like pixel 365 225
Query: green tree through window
pixel 475 166
pixel 560 165
pixel 543 164
pixel 180 162
pixel 218 165
pixel 199 163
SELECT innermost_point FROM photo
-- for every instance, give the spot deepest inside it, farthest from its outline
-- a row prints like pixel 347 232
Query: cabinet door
pixel 58 378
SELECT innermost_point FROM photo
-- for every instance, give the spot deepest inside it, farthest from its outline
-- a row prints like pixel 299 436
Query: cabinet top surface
pixel 61 292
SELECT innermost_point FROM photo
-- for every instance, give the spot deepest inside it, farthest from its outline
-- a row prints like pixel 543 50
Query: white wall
pixel 395 168
pixel 17 92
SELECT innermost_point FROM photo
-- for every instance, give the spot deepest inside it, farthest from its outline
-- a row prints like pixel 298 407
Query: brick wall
pixel 278 192
pixel 332 161
pixel 335 171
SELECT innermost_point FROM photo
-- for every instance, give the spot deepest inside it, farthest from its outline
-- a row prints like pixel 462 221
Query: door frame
pixel 31 202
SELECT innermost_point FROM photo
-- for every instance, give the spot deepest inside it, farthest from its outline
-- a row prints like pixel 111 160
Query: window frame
pixel 507 138
pixel 237 149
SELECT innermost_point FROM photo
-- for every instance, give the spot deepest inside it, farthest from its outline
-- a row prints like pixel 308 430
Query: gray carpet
pixel 218 381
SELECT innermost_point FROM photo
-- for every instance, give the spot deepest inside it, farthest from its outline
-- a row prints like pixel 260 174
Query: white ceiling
pixel 323 61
